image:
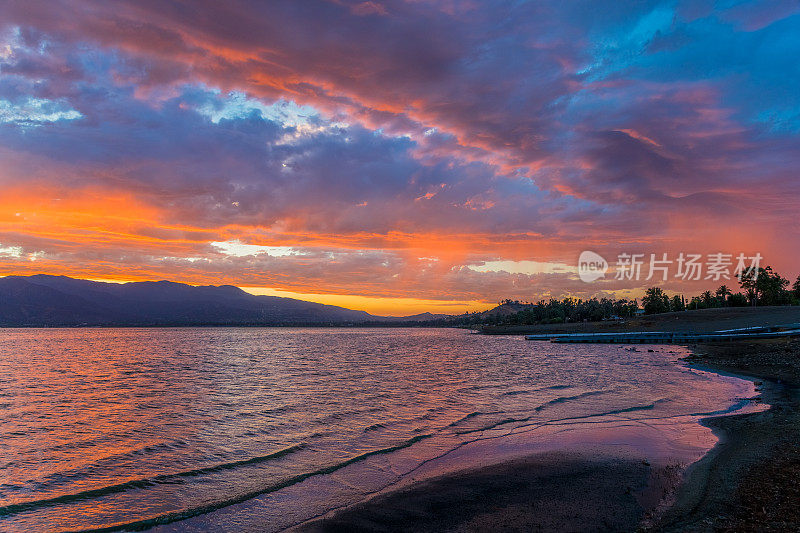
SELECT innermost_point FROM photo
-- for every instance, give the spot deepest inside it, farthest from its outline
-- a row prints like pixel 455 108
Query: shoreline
pixel 588 492
pixel 750 479
pixel 517 495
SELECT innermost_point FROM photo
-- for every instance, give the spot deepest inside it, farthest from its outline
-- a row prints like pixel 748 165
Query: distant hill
pixel 505 309
pixel 423 317
pixel 62 301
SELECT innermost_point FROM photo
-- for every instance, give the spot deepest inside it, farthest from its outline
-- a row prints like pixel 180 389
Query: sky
pixel 396 157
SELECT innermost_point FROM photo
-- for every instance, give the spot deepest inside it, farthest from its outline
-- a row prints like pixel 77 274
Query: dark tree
pixel 723 292
pixel 655 301
pixel 708 299
pixel 764 286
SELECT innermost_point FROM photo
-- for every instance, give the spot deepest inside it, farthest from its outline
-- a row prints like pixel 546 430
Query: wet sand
pixel 547 492
pixel 748 482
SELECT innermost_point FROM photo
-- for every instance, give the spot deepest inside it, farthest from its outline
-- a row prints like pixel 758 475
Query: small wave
pixel 78 471
pixel 634 408
pixel 554 401
pixel 516 392
pixel 562 399
pixel 318 434
pixel 740 404
pixel 167 518
pixel 646 407
pixel 374 427
pixel 530 391
pixel 464 418
pixel 493 425
pixel 481 387
pixel 142 483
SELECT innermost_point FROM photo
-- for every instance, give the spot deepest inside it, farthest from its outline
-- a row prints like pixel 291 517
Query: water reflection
pixel 104 427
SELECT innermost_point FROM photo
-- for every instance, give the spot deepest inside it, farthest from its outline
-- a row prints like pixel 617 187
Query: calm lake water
pixel 264 428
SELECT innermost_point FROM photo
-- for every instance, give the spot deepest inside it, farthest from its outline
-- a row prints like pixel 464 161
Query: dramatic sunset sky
pixel 395 156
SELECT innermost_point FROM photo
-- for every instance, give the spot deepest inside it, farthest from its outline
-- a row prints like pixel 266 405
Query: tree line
pixel 758 286
pixel 761 286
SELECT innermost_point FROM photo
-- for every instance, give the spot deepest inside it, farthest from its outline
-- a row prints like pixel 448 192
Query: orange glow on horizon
pixel 380 306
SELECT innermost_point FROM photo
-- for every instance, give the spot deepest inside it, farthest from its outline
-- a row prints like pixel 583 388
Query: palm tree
pixel 707 298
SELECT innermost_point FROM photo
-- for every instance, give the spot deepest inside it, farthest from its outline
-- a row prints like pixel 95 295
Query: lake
pixel 199 428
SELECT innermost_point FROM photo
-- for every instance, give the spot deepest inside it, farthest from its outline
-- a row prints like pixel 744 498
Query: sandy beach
pixel 748 482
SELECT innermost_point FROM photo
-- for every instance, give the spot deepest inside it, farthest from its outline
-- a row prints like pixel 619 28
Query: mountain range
pixel 44 300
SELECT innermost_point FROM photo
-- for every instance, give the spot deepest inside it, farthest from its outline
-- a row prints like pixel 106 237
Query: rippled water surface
pixel 108 427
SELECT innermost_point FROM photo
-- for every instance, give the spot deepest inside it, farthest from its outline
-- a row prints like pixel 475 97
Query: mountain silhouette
pixel 44 300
